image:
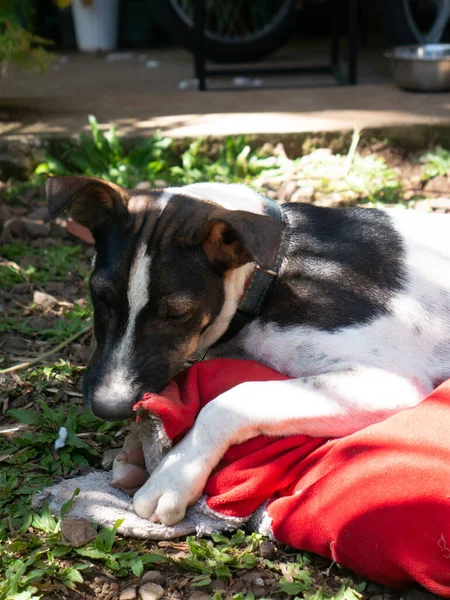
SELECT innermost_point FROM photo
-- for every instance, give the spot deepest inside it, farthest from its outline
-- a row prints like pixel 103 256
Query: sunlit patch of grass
pixel 436 163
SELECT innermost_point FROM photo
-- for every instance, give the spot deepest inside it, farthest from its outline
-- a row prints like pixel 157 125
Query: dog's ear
pixel 232 238
pixel 91 202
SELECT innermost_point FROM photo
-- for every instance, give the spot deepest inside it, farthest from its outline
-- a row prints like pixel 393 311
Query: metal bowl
pixel 421 68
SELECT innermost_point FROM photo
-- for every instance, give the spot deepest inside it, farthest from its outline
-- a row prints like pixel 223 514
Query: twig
pixel 42 357
pixel 352 151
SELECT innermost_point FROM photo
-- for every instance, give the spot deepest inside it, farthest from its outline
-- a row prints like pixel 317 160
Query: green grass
pixel 30 543
pixel 436 163
pixel 43 264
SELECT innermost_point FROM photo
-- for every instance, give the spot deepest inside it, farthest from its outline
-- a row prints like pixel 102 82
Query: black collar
pixel 257 288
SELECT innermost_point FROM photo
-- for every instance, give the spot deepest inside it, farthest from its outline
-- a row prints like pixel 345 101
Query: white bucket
pixel 96 25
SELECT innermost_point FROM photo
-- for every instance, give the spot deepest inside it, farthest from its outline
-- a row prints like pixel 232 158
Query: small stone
pixel 40 214
pixel 128 593
pixel 199 596
pixel 267 549
pixel 422 205
pixel 86 469
pixel 333 200
pixel 436 184
pixel 151 591
pixel 216 586
pixel 13 229
pixel 19 288
pixel 160 183
pixel 58 229
pixel 249 577
pixel 44 242
pixel 414 594
pixel 374 588
pixel 13 344
pixel 44 300
pixel 19 211
pixel 77 532
pixel 154 576
pixel 80 352
pixel 143 186
pixel 55 287
pixel 440 204
pixel 286 191
pixel 36 228
pixel 39 323
pixel 304 194
pixel 5 212
pixel 109 456
pixel 28 195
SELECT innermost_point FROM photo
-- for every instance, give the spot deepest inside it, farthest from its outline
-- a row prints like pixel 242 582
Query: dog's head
pixel 159 280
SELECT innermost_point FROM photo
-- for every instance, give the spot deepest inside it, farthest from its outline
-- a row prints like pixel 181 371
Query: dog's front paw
pixel 177 483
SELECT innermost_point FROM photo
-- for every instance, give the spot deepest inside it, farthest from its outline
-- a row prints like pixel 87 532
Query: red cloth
pixel 376 502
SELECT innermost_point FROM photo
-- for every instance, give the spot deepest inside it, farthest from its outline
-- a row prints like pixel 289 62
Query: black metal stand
pixel 348 77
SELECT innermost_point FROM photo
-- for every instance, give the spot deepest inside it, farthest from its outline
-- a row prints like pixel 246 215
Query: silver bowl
pixel 421 68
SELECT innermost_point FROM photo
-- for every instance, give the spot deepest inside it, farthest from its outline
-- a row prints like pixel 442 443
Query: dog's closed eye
pixel 180 308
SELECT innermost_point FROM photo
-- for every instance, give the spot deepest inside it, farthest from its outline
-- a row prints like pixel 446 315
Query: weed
pixel 436 163
pixel 102 155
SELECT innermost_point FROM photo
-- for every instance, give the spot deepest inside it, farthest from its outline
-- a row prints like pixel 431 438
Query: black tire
pixel 397 30
pixel 395 22
pixel 221 50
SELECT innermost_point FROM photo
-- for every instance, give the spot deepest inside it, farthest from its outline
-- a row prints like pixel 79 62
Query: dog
pixel 353 304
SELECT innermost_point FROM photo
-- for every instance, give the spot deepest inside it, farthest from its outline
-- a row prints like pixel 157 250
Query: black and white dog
pixel 358 314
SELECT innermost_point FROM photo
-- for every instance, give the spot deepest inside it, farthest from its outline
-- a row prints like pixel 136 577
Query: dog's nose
pixel 112 411
pixel 112 397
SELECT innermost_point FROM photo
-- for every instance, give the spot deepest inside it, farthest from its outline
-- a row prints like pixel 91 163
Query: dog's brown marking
pixel 233 238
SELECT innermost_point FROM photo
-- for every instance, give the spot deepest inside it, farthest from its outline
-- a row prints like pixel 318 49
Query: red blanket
pixel 376 502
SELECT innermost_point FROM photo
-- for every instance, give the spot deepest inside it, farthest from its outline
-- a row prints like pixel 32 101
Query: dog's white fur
pixel 119 381
pixel 344 380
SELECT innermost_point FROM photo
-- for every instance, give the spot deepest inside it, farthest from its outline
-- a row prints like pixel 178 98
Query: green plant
pixel 436 163
pixel 17 43
pixel 362 178
pixel 102 155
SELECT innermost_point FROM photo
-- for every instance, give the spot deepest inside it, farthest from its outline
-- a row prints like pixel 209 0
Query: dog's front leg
pixel 329 405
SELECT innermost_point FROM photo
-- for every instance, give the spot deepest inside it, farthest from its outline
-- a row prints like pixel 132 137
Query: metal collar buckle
pixel 196 359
